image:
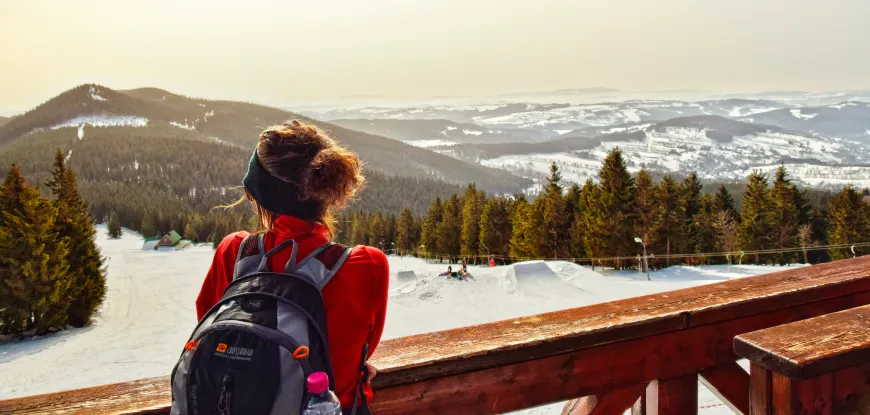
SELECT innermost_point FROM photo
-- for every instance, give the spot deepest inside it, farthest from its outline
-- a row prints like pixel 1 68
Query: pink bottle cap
pixel 317 383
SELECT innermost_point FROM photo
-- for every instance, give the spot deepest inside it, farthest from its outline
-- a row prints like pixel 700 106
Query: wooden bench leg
pixel 614 402
pixel 806 397
pixel 730 383
pixel 639 407
pixel 676 396
pixel 760 394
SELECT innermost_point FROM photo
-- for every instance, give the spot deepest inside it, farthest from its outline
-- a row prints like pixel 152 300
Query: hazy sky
pixel 279 51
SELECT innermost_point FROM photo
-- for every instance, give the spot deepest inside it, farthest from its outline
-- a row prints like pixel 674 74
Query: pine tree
pixel 496 227
pixel 690 200
pixel 359 229
pixel 756 218
pixel 785 214
pixel 147 228
pixel 190 231
pixel 552 208
pixel 33 267
pixel 704 225
pixel 114 227
pixel 471 211
pixel 431 226
pixel 613 211
pixel 588 234
pixel 405 240
pixel 847 222
pixel 377 231
pixel 648 209
pixel 87 275
pixel 672 220
pixel 726 232
pixel 450 231
pixel 526 236
pixel 723 202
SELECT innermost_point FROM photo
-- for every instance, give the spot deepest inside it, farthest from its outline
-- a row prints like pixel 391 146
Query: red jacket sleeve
pixel 380 294
pixel 219 274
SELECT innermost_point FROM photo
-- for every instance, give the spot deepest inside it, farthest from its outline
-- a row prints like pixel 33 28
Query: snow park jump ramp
pixel 406 276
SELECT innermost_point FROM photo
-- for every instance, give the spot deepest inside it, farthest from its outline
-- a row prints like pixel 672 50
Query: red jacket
pixel 355 298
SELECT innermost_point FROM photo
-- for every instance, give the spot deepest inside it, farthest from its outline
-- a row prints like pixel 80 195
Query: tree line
pixel 601 221
pixel 51 271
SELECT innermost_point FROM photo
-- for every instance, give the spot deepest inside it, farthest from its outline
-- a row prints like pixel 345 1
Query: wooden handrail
pixel 813 366
pixel 525 362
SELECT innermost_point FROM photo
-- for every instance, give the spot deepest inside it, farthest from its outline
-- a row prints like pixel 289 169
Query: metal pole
pixel 645 261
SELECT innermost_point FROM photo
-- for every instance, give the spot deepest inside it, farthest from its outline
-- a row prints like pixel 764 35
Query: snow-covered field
pixel 149 311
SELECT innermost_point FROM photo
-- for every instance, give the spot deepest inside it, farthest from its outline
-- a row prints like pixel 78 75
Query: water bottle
pixel 322 400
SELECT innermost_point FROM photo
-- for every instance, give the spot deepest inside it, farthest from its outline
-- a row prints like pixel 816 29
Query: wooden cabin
pixel 171 238
pixel 644 354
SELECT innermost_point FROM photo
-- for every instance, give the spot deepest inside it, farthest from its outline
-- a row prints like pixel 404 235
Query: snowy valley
pixel 823 139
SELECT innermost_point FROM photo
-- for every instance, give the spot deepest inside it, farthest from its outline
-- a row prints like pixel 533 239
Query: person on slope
pixel 317 177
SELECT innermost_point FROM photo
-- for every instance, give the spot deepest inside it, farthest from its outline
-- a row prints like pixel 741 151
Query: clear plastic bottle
pixel 322 400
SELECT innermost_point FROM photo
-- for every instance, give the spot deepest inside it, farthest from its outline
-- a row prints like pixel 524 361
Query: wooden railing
pixel 647 351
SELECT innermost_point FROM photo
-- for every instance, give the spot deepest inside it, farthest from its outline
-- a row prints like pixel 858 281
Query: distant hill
pixel 850 119
pixel 236 123
pixel 443 130
pixel 4 120
pixel 171 171
pixel 717 148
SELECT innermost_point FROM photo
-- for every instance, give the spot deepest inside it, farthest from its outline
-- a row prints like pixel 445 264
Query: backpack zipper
pixel 273 335
pixel 225 400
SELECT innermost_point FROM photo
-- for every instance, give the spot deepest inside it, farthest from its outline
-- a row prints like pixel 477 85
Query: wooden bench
pixel 815 366
pixel 654 347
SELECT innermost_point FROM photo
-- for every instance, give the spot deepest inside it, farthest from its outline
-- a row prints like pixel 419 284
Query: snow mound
pixel 406 276
pixel 184 125
pixel 538 270
pixel 104 120
pixel 93 93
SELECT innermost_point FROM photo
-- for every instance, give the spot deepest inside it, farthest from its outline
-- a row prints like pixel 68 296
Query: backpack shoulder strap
pixel 322 264
pixel 251 252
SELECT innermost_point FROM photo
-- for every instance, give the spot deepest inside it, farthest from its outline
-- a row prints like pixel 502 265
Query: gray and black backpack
pixel 252 352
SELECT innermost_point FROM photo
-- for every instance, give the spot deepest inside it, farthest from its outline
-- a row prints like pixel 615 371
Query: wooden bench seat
pixel 815 366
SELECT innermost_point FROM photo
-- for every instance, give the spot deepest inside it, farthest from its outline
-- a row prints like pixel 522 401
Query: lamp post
pixel 645 263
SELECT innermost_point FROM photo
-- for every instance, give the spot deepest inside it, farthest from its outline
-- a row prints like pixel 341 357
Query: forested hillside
pixel 172 176
pixel 236 123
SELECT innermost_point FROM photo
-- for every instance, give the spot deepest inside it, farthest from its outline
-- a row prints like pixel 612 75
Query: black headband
pixel 277 195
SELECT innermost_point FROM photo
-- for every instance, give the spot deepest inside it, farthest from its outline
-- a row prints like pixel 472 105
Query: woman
pixel 323 176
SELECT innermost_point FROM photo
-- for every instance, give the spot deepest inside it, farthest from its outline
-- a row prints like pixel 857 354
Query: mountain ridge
pixel 237 123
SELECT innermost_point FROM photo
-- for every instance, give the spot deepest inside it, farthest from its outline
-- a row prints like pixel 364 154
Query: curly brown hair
pixel 305 156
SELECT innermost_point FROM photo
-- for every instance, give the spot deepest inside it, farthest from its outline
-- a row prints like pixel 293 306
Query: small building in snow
pixel 172 238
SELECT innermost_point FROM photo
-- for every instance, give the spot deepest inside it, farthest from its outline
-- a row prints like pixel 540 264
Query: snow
pixel 104 121
pixel 562 132
pixel 430 143
pixel 149 310
pixel 81 132
pixel 183 125
pixel 471 132
pixel 93 94
pixel 798 114
pixel 68 155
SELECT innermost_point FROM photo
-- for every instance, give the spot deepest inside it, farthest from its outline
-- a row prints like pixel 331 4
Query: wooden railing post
pixel 760 390
pixel 675 396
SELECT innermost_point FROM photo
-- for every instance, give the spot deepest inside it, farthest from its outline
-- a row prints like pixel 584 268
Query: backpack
pixel 253 351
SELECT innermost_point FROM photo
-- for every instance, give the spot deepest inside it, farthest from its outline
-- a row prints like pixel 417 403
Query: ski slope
pixel 149 311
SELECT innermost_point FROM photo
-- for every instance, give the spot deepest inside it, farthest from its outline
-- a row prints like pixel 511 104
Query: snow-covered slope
pixel 849 119
pixel 149 311
pixel 714 147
